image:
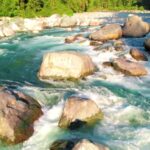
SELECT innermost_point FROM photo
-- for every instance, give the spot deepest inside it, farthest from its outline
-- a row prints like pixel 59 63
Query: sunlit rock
pixel 138 55
pixel 65 65
pixel 79 111
pixel 129 68
pixel 17 115
pixel 108 32
pixel 134 26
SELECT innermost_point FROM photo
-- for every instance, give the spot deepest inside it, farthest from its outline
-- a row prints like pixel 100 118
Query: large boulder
pixel 134 26
pixel 108 32
pixel 65 65
pixel 75 144
pixel 147 44
pixel 17 115
pixel 137 54
pixel 129 68
pixel 79 111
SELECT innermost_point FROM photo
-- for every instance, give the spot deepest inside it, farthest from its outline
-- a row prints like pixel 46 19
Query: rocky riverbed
pixel 79 82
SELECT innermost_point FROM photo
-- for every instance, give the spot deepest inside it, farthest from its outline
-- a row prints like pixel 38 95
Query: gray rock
pixel 17 115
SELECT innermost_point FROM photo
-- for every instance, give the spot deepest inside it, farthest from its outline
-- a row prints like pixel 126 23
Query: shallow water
pixel 124 100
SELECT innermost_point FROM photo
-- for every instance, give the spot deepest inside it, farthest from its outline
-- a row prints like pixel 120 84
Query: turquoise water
pixel 125 101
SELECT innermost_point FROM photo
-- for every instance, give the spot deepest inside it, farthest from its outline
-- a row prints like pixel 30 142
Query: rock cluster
pixel 19 111
pixel 65 65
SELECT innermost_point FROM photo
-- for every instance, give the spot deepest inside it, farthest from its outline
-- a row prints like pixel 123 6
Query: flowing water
pixel 124 100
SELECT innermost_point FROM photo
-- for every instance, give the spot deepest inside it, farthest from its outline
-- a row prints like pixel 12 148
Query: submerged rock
pixel 118 43
pixel 134 26
pixel 107 64
pixel 108 32
pixel 95 43
pixel 119 48
pixel 17 115
pixel 147 44
pixel 65 65
pixel 79 111
pixel 138 55
pixel 129 68
pixel 63 144
pixel 74 144
pixel 78 37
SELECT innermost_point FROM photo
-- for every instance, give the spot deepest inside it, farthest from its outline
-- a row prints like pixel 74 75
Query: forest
pixel 33 8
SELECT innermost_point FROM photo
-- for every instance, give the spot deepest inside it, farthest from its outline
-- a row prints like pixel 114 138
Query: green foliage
pixel 33 8
pixel 77 5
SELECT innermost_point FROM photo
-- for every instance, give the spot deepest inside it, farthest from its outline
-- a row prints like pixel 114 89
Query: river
pixel 124 100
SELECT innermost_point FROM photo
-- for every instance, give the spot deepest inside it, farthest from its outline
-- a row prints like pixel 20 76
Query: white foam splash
pixel 3 51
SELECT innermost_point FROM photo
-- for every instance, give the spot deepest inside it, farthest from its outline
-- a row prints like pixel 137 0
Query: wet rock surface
pixel 108 32
pixel 128 67
pixel 66 65
pixel 137 54
pixel 17 115
pixel 79 111
pixel 75 144
pixel 147 44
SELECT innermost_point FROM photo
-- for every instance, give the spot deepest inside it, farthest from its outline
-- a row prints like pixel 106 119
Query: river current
pixel 124 100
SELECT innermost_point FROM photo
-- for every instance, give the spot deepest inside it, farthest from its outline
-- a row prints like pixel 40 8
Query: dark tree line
pixel 32 8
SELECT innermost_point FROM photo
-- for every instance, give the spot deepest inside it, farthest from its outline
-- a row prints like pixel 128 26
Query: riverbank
pixel 9 26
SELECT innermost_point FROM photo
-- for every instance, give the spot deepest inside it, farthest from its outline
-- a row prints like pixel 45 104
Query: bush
pixel 33 8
